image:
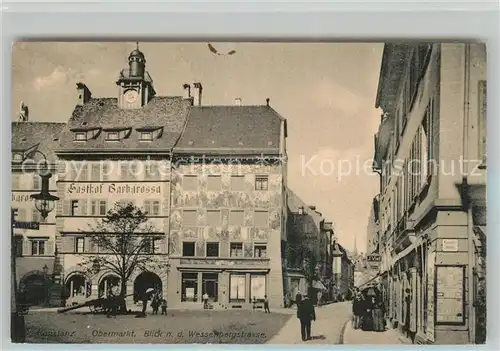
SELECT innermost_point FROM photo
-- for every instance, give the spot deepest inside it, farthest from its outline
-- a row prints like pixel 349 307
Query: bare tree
pixel 124 240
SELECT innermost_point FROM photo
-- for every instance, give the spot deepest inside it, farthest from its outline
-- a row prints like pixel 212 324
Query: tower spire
pixel 355 246
pixel 137 45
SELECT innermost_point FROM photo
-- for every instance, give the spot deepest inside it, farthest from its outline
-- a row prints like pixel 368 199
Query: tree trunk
pixel 123 295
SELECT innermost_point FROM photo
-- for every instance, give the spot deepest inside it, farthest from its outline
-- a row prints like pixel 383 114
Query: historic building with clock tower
pixel 116 150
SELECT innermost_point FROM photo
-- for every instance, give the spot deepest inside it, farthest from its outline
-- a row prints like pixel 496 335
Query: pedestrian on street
pixel 306 314
pixel 205 300
pixel 378 316
pixel 266 304
pixel 155 304
pixel 164 306
pixel 357 311
pixel 408 302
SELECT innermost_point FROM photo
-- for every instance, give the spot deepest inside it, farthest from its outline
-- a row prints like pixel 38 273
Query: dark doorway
pixel 108 284
pixel 34 290
pixel 210 285
pixel 144 281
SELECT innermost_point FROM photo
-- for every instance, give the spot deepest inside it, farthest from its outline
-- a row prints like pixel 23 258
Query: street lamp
pixel 45 270
pixel 45 202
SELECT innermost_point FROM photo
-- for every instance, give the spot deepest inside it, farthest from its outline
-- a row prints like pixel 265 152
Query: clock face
pixel 131 96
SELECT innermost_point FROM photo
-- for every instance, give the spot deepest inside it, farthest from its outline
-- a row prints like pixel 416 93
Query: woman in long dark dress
pixel 378 316
pixel 367 315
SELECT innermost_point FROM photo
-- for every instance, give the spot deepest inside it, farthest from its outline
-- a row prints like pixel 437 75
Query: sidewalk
pixel 325 330
pixel 360 337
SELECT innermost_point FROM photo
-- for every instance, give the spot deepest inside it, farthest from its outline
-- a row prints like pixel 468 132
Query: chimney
pixel 187 91
pixel 84 94
pixel 198 93
pixel 23 113
pixel 312 208
pixel 267 101
pixel 237 102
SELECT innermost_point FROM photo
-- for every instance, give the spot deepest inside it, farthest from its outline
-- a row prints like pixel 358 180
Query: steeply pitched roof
pixel 167 112
pixel 231 130
pixel 44 136
pixel 294 202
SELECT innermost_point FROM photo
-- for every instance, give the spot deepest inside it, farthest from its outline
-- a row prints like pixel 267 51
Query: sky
pixel 326 91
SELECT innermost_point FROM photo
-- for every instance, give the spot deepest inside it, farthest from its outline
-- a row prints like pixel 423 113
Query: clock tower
pixel 135 86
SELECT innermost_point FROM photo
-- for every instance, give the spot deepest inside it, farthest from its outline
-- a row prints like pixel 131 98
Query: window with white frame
pixel 146 136
pixel 38 247
pixel 152 207
pixel 261 183
pixel 113 136
pixel 95 172
pixel 259 250
pixel 79 244
pixel 80 136
pixel 236 250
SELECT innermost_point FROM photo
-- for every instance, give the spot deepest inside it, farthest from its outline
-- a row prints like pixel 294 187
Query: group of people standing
pixel 368 311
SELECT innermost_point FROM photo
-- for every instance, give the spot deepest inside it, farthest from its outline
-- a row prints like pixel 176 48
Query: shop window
pixel 258 287
pixel 237 291
pixel 188 249
pixel 189 290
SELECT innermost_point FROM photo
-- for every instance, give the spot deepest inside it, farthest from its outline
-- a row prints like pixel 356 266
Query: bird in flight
pixel 216 52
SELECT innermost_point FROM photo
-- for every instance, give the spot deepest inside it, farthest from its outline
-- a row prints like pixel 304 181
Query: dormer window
pixel 117 134
pixel 17 157
pixel 149 133
pixel 84 134
pixel 113 136
pixel 146 136
pixel 80 136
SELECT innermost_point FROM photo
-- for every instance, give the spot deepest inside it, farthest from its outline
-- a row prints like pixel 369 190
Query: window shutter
pixel 87 244
pixel 92 247
pixel 83 207
pixel 49 248
pixel 66 208
pixel 26 248
pixel 68 244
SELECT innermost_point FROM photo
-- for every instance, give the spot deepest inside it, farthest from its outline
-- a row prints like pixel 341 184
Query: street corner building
pixel 33 143
pixel 212 180
pixel 433 212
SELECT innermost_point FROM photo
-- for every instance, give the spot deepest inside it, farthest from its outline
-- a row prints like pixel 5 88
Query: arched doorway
pixel 144 281
pixel 33 289
pixel 76 286
pixel 109 283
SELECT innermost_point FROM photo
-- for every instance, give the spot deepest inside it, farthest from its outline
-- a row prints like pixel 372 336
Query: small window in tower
pixel 146 136
pixel 113 136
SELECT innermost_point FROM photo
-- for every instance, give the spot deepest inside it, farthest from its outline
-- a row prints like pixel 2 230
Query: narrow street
pixel 327 329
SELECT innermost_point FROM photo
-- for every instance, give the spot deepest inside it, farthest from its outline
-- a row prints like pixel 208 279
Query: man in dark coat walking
pixel 306 314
